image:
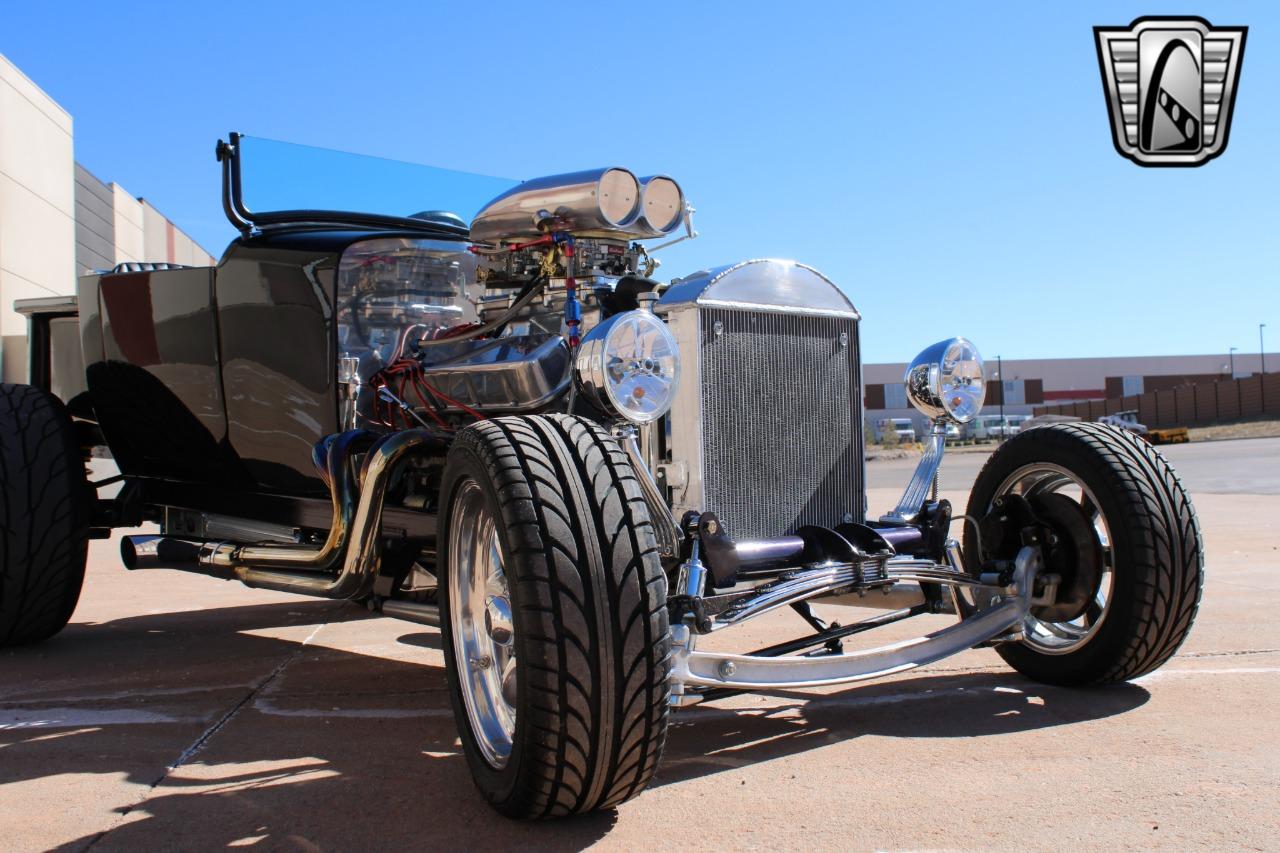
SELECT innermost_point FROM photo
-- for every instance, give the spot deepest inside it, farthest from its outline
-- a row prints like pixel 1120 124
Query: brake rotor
pixel 1073 553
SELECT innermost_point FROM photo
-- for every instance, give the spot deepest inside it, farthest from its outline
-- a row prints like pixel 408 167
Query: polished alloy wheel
pixel 483 633
pixel 1058 638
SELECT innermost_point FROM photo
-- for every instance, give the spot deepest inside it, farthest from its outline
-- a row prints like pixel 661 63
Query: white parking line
pixel 58 718
pixel 264 706
pixel 1161 674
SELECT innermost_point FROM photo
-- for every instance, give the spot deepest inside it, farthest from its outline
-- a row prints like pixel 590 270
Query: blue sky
pixel 949 165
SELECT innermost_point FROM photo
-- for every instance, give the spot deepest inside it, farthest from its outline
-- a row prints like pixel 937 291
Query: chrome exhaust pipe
pixel 351 548
pixel 160 552
pixel 411 611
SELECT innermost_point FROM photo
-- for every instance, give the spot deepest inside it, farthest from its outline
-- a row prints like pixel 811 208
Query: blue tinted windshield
pixel 285 176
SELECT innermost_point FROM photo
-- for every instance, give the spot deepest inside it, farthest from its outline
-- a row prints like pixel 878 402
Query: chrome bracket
pixel 922 481
pixel 683 640
pixel 691 581
pixel 689 233
pixel 666 528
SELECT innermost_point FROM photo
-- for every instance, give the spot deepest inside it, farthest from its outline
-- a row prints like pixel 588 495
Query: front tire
pixel 1147 534
pixel 553 616
pixel 44 509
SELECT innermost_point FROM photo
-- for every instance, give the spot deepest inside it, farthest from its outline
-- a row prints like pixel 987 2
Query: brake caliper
pixel 1073 559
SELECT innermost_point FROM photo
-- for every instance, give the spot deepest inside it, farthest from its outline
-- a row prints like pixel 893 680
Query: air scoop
pixel 598 201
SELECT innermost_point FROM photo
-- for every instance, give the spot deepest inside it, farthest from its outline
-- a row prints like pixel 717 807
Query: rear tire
pixel 1154 554
pixel 581 586
pixel 44 515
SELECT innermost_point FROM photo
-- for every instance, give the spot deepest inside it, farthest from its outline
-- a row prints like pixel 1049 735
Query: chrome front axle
pixel 1003 609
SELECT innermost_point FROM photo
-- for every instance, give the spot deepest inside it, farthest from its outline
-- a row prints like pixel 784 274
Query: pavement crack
pixel 356 694
pixel 199 743
pixel 226 718
pixel 1229 654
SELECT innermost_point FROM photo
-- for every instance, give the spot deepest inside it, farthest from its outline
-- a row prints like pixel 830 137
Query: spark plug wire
pixel 406 375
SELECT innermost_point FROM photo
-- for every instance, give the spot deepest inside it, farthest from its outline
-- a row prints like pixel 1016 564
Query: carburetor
pixel 513 264
pixel 601 274
pixel 569 232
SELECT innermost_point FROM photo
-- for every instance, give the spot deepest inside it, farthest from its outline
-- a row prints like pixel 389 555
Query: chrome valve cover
pixel 766 427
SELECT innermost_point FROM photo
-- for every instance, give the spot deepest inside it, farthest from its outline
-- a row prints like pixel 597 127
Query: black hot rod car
pixel 506 427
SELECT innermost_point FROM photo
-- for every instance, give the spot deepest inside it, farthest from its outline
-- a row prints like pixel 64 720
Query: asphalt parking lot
pixel 182 712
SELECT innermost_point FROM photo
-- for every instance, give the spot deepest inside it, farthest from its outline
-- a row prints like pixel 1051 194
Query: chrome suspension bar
pixel 837 578
pixel 1005 610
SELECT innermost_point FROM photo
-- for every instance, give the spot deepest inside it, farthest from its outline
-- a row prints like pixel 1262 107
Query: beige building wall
pixel 130 226
pixel 37 208
pixel 189 252
pixel 154 230
pixel 165 243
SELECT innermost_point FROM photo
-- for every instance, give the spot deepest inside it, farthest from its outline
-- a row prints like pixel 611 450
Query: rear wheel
pixel 554 618
pixel 1123 539
pixel 44 509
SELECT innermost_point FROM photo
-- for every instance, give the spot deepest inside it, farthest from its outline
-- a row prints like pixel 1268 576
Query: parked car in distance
pixel 986 427
pixel 902 427
pixel 1127 420
pixel 1043 420
pixel 995 427
pixel 1015 423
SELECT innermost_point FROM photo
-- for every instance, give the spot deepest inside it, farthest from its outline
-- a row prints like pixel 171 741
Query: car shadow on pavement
pixel 316 747
pixel 340 750
pixel 747 730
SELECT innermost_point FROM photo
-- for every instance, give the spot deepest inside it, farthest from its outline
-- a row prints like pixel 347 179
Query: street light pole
pixel 1262 349
pixel 1000 373
pixel 1262 355
pixel 1231 353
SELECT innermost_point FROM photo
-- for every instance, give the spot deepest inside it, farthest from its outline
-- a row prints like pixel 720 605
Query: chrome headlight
pixel 629 366
pixel 948 379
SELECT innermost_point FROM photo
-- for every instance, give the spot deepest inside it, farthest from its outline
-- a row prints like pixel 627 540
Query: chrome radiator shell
pixel 766 429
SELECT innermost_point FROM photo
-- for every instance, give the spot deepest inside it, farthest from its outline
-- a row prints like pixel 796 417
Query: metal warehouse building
pixel 57 220
pixel 1027 383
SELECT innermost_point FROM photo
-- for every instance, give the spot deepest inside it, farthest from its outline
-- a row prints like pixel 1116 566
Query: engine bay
pixel 440 333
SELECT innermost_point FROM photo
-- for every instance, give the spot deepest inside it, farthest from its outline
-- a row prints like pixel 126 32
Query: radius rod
pixel 821 638
pixel 825 636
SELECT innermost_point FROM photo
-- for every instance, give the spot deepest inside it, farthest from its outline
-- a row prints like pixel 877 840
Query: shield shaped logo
pixel 1170 86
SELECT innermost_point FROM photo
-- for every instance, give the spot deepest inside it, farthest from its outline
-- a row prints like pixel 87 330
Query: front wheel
pixel 553 618
pixel 1123 538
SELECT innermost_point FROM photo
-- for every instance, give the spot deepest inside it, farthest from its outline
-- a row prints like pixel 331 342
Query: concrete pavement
pixel 1242 466
pixel 181 712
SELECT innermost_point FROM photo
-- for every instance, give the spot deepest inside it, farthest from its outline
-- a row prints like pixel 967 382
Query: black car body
pixel 512 430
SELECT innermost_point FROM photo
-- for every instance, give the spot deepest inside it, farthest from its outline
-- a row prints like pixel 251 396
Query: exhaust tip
pixel 130 547
pixel 158 552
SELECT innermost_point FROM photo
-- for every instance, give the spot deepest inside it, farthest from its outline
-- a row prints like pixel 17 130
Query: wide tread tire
pixel 44 505
pixel 589 609
pixel 1157 550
